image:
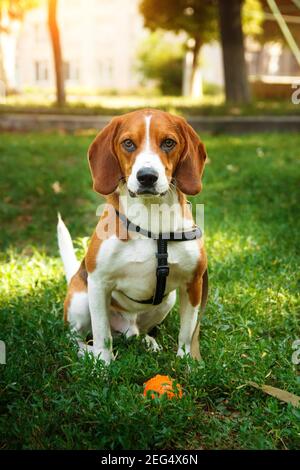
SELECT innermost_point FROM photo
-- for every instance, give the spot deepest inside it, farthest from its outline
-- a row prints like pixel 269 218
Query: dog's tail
pixel 66 249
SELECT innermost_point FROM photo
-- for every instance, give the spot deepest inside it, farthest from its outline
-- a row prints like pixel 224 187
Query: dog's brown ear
pixel 104 164
pixel 190 167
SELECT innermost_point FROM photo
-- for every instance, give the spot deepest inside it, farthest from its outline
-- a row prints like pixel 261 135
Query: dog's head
pixel 147 149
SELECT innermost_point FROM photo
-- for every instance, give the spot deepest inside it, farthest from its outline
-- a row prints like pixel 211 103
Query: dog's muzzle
pixel 147 178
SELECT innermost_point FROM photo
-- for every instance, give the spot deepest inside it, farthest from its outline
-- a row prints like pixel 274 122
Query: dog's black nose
pixel 147 176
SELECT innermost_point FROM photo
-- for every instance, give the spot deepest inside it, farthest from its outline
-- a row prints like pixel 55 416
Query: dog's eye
pixel 128 145
pixel 167 145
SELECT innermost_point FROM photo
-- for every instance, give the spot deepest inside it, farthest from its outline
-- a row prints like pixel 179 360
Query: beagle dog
pixel 144 163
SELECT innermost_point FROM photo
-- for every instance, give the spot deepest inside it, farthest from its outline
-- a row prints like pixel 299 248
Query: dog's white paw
pixel 102 354
pixel 183 351
pixel 84 348
pixel 152 344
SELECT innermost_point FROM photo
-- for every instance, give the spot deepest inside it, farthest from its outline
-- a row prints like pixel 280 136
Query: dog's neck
pixel 163 214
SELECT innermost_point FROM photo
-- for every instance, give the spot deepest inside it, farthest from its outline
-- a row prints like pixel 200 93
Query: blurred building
pixel 99 40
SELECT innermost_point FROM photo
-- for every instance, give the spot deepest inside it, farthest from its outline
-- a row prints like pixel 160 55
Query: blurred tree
pixel 252 18
pixel 257 20
pixel 57 53
pixel 237 87
pixel 198 18
pixel 160 59
pixel 12 11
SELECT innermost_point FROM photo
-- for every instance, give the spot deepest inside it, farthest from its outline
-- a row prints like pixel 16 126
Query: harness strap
pixel 162 270
pixel 171 236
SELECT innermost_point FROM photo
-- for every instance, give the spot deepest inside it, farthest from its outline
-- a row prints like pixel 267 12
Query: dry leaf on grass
pixel 56 187
pixel 282 395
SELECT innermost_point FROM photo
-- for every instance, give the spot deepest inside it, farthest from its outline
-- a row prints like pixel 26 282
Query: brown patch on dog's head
pixel 104 164
pixel 110 161
pixel 189 170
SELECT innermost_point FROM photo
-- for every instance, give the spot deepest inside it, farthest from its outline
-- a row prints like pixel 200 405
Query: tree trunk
pixel 57 54
pixel 235 68
pixel 196 51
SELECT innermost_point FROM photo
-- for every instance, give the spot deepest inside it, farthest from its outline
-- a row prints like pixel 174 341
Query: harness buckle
pixel 162 270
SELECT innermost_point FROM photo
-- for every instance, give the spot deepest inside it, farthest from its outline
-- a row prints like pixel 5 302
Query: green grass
pixel 49 399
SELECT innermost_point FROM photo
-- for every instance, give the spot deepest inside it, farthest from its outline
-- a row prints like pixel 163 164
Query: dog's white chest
pixel 131 265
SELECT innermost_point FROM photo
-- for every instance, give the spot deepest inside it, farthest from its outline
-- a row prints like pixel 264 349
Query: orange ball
pixel 162 385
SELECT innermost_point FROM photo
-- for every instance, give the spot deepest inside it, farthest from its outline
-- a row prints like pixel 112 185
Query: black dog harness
pixel 162 269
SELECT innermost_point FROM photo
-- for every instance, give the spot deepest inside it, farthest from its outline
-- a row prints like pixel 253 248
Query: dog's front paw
pixel 84 349
pixel 103 354
pixel 183 351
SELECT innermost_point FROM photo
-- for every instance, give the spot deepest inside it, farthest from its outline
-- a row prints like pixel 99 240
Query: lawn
pixel 49 399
